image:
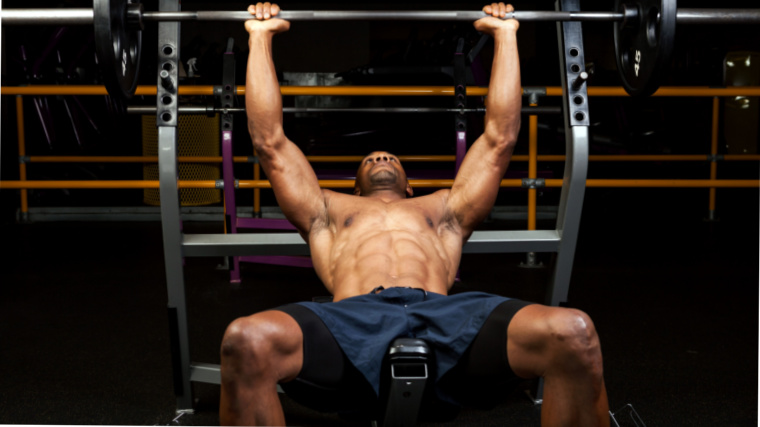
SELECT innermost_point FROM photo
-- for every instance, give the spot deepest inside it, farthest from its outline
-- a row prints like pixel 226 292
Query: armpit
pixel 321 220
pixel 449 220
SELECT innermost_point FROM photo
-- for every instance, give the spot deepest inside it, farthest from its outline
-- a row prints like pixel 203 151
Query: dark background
pixel 83 333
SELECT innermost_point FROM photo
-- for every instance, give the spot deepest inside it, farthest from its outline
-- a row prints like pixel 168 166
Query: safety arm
pixel 477 183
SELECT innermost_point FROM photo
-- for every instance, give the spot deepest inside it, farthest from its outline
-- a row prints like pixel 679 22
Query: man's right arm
pixel 293 179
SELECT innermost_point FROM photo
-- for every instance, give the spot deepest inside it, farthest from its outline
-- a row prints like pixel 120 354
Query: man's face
pixel 381 170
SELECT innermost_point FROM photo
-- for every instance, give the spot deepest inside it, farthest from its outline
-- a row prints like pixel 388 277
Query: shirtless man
pixel 389 261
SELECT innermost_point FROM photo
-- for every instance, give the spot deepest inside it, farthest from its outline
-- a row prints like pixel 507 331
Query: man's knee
pixel 238 341
pixel 574 341
pixel 261 341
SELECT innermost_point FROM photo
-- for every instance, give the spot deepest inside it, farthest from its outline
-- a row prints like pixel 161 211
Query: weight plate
pixel 644 43
pixel 118 45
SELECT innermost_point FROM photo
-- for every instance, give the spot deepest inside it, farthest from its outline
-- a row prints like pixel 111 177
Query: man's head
pixel 381 171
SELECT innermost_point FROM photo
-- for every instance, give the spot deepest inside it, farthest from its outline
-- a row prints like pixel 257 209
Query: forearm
pixel 263 100
pixel 504 101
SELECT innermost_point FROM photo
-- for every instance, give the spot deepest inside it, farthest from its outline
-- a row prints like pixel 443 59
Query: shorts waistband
pixel 379 289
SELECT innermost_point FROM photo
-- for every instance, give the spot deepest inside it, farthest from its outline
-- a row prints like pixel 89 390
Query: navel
pixel 429 222
pixel 348 221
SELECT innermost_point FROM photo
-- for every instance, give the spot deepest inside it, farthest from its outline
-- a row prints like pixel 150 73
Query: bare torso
pixel 368 242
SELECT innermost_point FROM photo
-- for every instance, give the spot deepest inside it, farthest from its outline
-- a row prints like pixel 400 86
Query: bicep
pixel 294 183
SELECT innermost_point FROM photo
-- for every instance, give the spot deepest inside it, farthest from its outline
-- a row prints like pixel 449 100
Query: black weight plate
pixel 644 43
pixel 118 46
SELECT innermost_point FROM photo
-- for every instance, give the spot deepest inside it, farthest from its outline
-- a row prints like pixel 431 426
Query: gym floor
pixel 674 298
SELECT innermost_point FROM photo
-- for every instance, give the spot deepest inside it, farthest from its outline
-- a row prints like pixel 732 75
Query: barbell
pixel 644 31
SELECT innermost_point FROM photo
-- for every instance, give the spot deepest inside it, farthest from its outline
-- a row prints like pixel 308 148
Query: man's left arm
pixel 477 184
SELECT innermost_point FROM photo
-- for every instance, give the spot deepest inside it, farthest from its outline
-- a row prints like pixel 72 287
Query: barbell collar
pixel 135 13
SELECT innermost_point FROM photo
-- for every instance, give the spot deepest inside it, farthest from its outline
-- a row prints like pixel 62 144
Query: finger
pixel 510 8
pixel 266 8
pixel 252 9
pixel 259 11
pixel 502 10
pixel 487 9
pixel 495 9
pixel 275 9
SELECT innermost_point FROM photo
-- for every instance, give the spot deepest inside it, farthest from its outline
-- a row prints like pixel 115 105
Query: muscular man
pixel 389 261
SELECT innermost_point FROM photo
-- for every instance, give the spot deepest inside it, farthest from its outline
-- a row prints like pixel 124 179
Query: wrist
pixel 505 31
pixel 258 34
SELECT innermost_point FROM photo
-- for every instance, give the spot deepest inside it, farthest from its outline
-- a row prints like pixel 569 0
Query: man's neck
pixel 386 196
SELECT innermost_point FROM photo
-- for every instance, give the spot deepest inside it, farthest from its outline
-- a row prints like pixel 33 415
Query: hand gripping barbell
pixel 644 31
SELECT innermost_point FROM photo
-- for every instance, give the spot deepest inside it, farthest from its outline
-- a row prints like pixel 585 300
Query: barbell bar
pixel 199 109
pixel 83 16
pixel 644 31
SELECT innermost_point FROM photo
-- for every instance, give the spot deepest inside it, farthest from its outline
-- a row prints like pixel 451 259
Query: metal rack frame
pixel 561 240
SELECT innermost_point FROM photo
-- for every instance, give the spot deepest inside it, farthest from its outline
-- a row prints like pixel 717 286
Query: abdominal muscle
pixel 361 260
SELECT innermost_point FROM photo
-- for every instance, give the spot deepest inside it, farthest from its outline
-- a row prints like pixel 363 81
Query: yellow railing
pixel 532 158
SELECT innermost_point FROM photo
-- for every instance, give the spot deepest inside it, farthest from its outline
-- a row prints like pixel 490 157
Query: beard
pixel 383 177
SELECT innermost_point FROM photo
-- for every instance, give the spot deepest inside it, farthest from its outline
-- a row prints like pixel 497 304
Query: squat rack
pixel 561 240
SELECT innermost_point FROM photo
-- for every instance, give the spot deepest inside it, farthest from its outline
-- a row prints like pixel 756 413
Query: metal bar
pixel 404 159
pixel 512 241
pixel 172 235
pixel 204 110
pixel 236 159
pixel 171 221
pixel 206 245
pixel 532 168
pixel 205 373
pixel 599 91
pixel 20 128
pixel 671 183
pixel 382 15
pixel 571 53
pixel 714 152
pixel 230 204
pixel 419 183
pixel 81 16
pixel 718 16
pixel 61 16
pixel 127 159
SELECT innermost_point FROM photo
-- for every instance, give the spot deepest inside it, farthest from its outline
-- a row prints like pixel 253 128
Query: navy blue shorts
pixel 345 343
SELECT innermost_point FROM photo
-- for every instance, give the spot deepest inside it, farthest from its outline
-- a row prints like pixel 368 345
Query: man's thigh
pixel 328 381
pixel 483 376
